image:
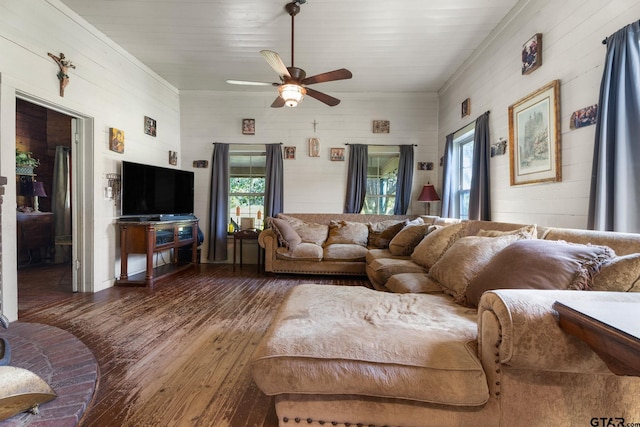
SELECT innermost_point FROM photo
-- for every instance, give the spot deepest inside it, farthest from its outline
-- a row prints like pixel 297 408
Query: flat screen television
pixel 149 191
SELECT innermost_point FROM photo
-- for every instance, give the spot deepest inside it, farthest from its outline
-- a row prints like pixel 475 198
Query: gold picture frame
pixel 534 137
pixel 116 140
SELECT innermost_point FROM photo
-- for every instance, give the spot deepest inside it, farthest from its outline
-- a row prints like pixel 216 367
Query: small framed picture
pixel 173 157
pixel 465 108
pixel 290 153
pixel 532 54
pixel 149 126
pixel 116 140
pixel 425 166
pixel 248 126
pixel 584 117
pixel 314 147
pixel 337 154
pixel 381 126
pixel 201 163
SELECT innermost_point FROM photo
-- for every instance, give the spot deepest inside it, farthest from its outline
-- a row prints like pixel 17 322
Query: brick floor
pixel 60 359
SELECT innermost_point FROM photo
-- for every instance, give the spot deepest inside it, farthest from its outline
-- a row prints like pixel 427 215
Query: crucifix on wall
pixel 64 64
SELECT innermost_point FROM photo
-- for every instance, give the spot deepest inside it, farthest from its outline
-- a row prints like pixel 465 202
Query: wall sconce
pixel 113 186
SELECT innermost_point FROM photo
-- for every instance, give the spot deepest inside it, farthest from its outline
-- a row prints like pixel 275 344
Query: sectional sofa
pixel 469 338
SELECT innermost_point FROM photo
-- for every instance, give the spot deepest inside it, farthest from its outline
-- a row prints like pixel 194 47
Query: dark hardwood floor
pixel 178 354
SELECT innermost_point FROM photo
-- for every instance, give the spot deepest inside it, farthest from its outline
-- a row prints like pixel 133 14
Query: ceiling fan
pixel 293 80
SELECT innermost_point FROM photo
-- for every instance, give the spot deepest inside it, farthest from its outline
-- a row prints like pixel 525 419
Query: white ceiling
pixel 404 46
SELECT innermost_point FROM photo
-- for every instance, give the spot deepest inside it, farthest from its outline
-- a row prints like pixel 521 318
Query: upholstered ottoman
pixel 342 340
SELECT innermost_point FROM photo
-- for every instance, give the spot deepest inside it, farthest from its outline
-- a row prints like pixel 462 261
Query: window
pixel 382 176
pixel 463 169
pixel 246 184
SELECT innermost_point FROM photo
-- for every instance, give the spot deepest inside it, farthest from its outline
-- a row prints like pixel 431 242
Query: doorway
pixel 50 256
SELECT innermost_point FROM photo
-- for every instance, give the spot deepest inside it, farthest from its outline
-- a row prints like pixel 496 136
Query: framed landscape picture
pixel 534 136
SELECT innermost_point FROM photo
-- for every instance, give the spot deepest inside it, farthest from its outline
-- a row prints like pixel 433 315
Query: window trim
pixel 461 138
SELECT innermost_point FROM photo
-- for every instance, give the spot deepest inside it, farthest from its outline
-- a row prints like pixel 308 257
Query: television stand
pixel 149 237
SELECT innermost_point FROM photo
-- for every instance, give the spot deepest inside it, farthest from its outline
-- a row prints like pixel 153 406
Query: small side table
pixel 609 328
pixel 246 235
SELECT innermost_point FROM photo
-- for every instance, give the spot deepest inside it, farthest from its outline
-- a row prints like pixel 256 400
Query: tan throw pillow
pixel 287 236
pixel 309 232
pixel 464 260
pixel 376 228
pixel 621 274
pixel 529 230
pixel 388 234
pixel 540 264
pixel 345 232
pixel 432 247
pixel 406 240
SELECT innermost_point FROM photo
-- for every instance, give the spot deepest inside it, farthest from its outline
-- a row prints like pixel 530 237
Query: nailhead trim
pixel 334 423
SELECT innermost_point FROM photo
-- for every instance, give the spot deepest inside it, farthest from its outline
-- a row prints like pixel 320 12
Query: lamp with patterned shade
pixel 428 195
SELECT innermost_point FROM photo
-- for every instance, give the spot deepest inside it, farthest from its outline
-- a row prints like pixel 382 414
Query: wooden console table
pixel 611 329
pixel 149 237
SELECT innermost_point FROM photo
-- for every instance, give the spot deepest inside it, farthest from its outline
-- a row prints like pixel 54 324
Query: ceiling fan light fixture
pixel 292 94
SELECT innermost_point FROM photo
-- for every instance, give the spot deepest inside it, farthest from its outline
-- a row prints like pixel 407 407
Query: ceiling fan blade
pixel 323 97
pixel 248 83
pixel 278 103
pixel 276 63
pixel 329 76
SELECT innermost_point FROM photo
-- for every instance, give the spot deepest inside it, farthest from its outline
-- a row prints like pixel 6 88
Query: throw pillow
pixel 464 260
pixel 621 274
pixel 406 240
pixel 287 236
pixel 540 264
pixel 383 237
pixel 345 232
pixel 375 228
pixel 309 232
pixel 432 247
pixel 529 230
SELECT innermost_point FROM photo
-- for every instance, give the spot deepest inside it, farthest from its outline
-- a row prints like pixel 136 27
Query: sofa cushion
pixel 302 252
pixel 416 283
pixel 621 274
pixel 344 252
pixel 373 254
pixel 346 232
pixel 465 259
pixel 436 243
pixel 380 270
pixel 287 236
pixel 540 264
pixel 406 240
pixel 309 232
pixel 381 233
pixel 350 340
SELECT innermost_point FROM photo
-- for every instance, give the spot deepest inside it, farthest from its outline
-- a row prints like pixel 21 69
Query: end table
pixel 242 235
